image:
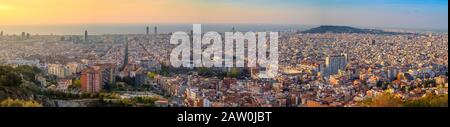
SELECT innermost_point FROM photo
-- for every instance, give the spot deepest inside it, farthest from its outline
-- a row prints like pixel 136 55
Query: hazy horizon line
pixel 190 23
pixel 20 27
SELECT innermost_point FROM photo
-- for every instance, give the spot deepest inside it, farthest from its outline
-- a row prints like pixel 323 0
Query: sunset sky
pixel 381 13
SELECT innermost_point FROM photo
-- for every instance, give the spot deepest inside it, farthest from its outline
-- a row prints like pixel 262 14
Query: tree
pixel 408 88
pixel 383 100
pixel 380 84
pixel 76 83
pixel 234 73
pixel 8 77
pixel 165 71
pixel 429 83
pixel 152 75
pixel 19 103
pixel 28 72
pixel 429 100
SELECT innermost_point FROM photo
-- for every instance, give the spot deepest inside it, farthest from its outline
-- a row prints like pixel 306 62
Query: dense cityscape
pixel 317 69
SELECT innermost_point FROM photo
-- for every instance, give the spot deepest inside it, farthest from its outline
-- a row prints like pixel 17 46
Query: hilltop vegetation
pixel 390 100
pixel 18 82
pixel 18 86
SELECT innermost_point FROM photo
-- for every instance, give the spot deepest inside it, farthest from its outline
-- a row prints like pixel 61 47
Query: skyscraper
pixel 147 32
pixel 156 30
pixel 86 36
pixel 336 63
pixel 125 57
pixel 108 72
pixel 23 35
pixel 91 80
pixel 1 33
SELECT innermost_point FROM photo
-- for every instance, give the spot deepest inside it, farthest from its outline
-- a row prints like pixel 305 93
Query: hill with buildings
pixel 347 29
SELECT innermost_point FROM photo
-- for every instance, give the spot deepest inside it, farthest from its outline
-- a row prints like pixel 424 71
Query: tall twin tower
pixel 148 30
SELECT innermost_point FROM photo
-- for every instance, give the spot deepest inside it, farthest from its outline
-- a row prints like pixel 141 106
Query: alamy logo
pixel 253 50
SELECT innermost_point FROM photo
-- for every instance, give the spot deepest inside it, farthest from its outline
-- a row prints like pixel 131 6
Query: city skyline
pixel 223 53
pixel 424 14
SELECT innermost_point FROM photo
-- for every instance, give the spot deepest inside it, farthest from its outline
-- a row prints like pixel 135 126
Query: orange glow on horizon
pixel 19 12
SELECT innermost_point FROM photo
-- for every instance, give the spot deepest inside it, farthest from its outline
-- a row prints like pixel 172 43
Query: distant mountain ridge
pixel 347 29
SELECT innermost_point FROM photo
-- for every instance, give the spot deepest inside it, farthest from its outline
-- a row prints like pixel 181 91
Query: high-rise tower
pixel 156 30
pixel 125 57
pixel 23 35
pixel 334 63
pixel 86 36
pixel 147 31
pixel 91 80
